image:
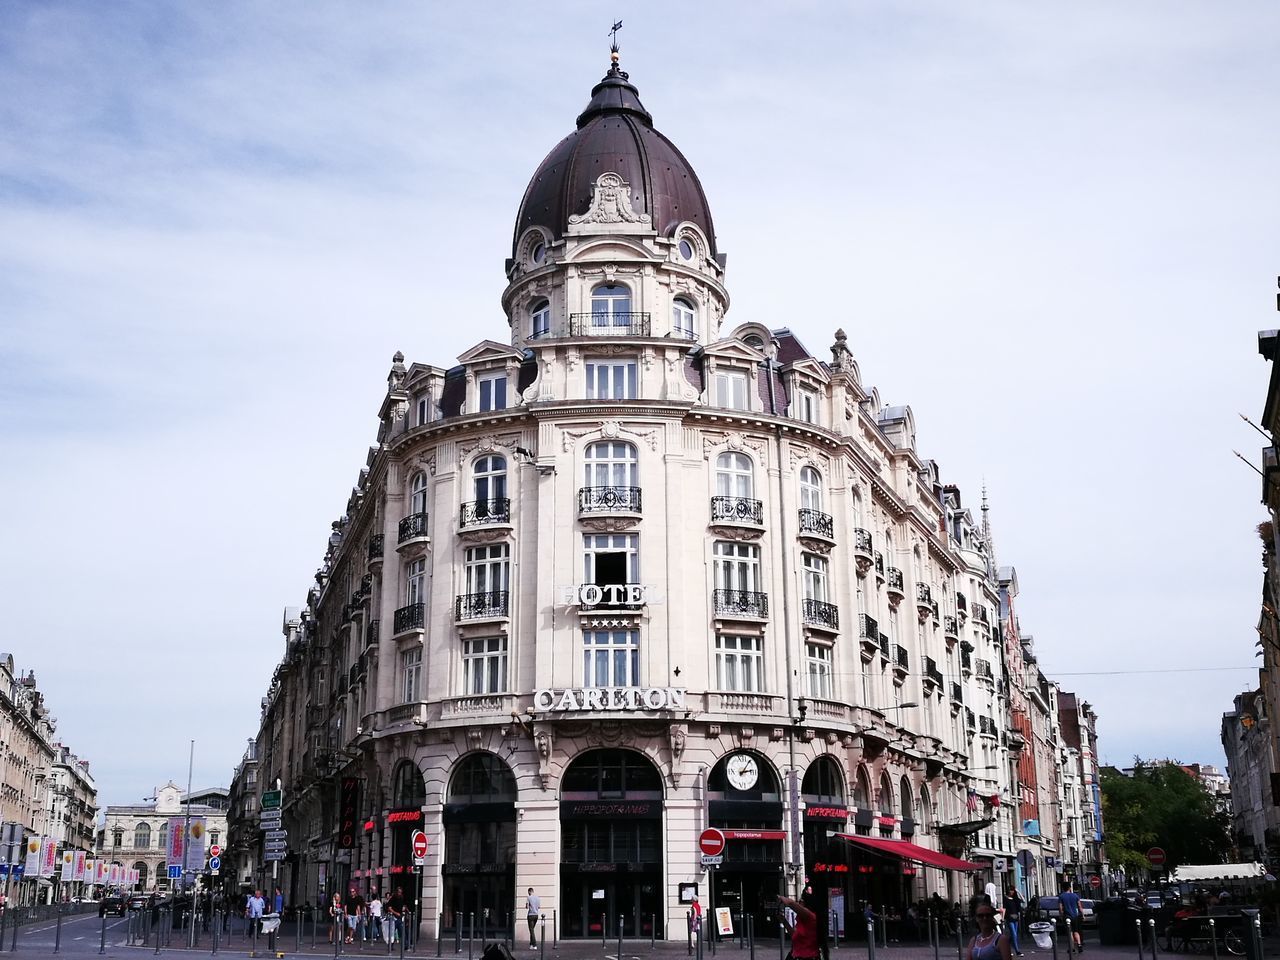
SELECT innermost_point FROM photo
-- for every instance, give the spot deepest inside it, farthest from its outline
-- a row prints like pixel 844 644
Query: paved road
pixel 81 937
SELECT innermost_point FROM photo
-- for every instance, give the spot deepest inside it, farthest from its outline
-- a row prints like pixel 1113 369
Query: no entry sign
pixel 711 842
pixel 1095 881
pixel 1155 857
pixel 419 844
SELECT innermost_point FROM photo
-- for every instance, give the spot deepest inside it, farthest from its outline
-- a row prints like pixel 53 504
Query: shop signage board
pixel 724 921
pixel 588 699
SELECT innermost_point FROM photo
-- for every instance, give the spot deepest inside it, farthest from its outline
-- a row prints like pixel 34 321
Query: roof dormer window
pixel 729 389
pixel 492 390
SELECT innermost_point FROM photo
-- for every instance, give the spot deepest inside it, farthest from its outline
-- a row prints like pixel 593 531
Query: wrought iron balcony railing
pixel 862 541
pixel 817 522
pixel 608 499
pixel 893 577
pixel 984 670
pixel 487 605
pixel 900 659
pixel 821 614
pixel 737 510
pixel 869 628
pixel 743 602
pixel 924 594
pixel 476 513
pixel 376 546
pixel 414 525
pixel 619 324
pixel 409 617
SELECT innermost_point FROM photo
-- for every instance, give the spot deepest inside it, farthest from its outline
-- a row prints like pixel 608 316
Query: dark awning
pixel 965 828
pixel 906 850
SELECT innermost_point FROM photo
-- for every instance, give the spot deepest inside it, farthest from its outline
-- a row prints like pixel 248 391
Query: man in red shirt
pixel 804 935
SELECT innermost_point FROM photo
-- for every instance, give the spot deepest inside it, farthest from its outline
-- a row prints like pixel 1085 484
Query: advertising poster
pixel 102 871
pixel 68 865
pixel 90 870
pixel 197 834
pixel 32 866
pixel 48 857
pixel 77 871
pixel 113 875
pixel 173 857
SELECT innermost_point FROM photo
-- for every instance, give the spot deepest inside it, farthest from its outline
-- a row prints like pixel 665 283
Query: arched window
pixel 407 786
pixel 610 463
pixel 823 783
pixel 734 476
pixel 610 306
pixel 482 778
pixel 926 805
pixel 490 484
pixel 418 493
pixel 857 510
pixel 539 319
pixel 611 774
pixel 163 844
pixel 862 790
pixel 142 874
pixel 886 796
pixel 907 800
pixel 142 836
pixel 742 775
pixel 684 319
pixel 810 489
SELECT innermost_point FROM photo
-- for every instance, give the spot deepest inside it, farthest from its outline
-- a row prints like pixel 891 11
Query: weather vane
pixel 613 36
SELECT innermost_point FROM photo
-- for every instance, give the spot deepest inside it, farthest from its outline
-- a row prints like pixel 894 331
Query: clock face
pixel 742 771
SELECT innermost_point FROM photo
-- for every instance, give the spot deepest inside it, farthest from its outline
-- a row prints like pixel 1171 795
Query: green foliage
pixel 1161 805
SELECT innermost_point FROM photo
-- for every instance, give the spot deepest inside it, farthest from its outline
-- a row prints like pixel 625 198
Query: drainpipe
pixel 795 862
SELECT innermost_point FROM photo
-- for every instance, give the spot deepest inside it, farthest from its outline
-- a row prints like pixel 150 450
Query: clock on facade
pixel 742 771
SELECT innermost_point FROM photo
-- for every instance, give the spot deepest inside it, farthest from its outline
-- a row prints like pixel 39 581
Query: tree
pixel 1161 805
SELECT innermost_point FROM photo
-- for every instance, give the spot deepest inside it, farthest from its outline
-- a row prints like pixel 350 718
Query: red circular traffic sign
pixel 711 842
pixel 1095 882
pixel 1155 857
pixel 419 844
pixel 215 851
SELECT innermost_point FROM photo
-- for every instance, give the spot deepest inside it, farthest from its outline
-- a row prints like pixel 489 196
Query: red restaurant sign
pixel 827 813
pixel 755 834
pixel 405 816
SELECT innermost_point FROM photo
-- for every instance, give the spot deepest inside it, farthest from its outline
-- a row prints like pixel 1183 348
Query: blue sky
pixel 1049 228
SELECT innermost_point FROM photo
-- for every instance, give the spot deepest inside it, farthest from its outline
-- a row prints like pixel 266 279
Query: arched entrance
pixel 611 845
pixel 745 801
pixel 141 867
pixel 404 818
pixel 825 858
pixel 479 843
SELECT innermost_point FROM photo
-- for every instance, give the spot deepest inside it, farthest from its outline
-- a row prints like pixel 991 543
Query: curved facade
pixel 632 572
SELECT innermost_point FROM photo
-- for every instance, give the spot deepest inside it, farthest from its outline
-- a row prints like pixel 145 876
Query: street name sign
pixel 277 834
pixel 271 855
pixel 271 799
pixel 712 860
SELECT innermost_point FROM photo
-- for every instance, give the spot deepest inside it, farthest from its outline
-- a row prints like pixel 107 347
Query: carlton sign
pixel 610 698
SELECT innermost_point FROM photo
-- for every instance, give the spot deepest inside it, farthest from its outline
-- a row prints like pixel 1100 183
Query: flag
pixel 972 801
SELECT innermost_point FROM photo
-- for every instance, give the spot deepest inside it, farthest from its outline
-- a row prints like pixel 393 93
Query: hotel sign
pixel 610 698
pixel 610 595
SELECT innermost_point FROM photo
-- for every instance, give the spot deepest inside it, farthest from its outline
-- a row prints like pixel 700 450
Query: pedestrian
pixel 395 910
pixel 1013 916
pixel 337 922
pixel 253 910
pixel 1069 909
pixel 277 902
pixel 696 918
pixel 532 910
pixel 375 915
pixel 804 931
pixel 988 943
pixel 352 908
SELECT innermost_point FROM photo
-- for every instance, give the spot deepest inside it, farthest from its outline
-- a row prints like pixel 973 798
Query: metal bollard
pixel 1053 941
pixel 471 934
pixel 620 936
pixel 1071 942
pixel 960 939
pixel 1213 938
pixel 688 929
pixel 751 936
pixel 555 928
pixel 14 946
pixel 439 931
pixel 1141 952
pixel 936 934
pixel 1151 925
pixel 653 929
pixel 782 939
pixel 542 939
pixel 871 939
pixel 1255 928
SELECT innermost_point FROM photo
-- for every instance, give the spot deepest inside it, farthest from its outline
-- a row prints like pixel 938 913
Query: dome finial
pixel 613 48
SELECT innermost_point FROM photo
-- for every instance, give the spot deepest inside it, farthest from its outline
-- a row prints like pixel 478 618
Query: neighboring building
pixel 72 800
pixel 243 847
pixel 1084 853
pixel 1247 740
pixel 137 835
pixel 635 572
pixel 26 732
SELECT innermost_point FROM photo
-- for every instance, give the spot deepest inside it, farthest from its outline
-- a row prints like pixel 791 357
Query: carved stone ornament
pixel 543 740
pixel 428 463
pixel 609 430
pixel 487 444
pixel 610 203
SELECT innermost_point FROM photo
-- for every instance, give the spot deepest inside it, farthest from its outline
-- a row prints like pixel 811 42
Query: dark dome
pixel 615 135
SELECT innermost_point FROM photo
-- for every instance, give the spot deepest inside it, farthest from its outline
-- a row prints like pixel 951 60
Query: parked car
pixel 139 901
pixel 113 905
pixel 1050 909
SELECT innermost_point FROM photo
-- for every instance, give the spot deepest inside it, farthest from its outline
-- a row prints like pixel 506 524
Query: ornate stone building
pixel 137 835
pixel 632 571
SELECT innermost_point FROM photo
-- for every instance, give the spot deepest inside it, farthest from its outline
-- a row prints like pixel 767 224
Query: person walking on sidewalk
pixel 1013 916
pixel 1069 909
pixel 533 909
pixel 804 932
pixel 375 915
pixel 988 943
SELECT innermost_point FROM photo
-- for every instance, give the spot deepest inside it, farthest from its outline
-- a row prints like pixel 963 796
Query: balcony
pixel 411 617
pixel 738 514
pixel 931 672
pixel 760 704
pixel 868 636
pixel 950 630
pixel 371 633
pixel 984 671
pixel 980 614
pixel 863 553
pixel 817 613
pixel 747 604
pixel 894 586
pixel 987 727
pixel 609 508
pixel 377 543
pixel 817 527
pixel 411 535
pixel 924 601
pixel 623 324
pixel 879 565
pixel 900 661
pixel 485 513
pixel 488 605
pixel 957 693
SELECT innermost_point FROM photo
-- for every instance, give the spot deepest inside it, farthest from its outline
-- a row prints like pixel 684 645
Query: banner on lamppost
pixel 103 871
pixel 90 869
pixel 197 833
pixel 177 834
pixel 48 857
pixel 32 866
pixel 77 871
pixel 68 865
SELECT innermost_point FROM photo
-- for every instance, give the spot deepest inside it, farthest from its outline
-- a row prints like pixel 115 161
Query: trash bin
pixel 1115 923
pixel 1042 934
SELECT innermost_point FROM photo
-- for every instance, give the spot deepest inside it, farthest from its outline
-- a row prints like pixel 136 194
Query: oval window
pixel 538 254
pixel 686 249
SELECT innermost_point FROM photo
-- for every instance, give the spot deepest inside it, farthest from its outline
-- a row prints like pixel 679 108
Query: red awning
pixel 907 850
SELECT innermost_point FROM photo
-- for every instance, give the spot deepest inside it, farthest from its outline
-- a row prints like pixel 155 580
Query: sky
pixel 1049 228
